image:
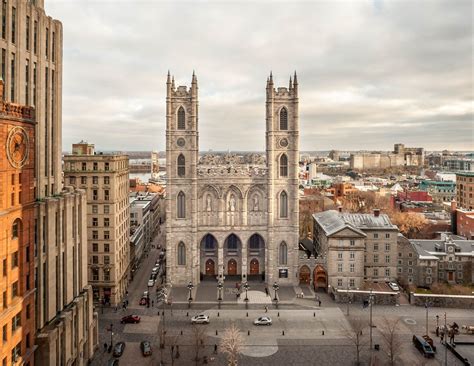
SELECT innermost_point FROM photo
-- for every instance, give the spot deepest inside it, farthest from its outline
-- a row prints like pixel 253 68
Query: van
pixel 423 346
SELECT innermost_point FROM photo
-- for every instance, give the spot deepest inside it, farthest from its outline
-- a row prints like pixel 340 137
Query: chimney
pixel 376 212
pixel 339 208
pixel 453 205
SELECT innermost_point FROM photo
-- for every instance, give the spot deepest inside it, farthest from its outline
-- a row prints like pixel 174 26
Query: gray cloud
pixel 371 73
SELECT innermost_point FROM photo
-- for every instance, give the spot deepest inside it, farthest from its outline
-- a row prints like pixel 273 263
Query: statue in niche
pixel 208 203
pixel 255 203
pixel 232 203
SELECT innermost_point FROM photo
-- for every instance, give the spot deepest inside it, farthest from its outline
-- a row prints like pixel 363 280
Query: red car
pixel 130 319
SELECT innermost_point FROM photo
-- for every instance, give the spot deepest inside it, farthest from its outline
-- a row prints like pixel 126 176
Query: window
pixel 181 119
pixel 95 194
pixel 254 242
pixel 376 235
pixel 95 247
pixel 84 166
pixel 16 322
pixel 181 165
pixel 181 205
pixel 15 229
pixel 181 254
pixel 352 267
pixel 95 209
pixel 339 282
pixel 106 259
pixel 4 333
pixel 351 282
pixel 459 267
pixel 284 166
pixel 4 20
pixel 410 270
pixel 283 254
pixel 106 167
pixel 376 246
pixel 399 269
pixel 106 221
pixel 83 180
pixel 376 258
pixel 95 180
pixel 72 180
pixel 232 243
pixel 351 255
pixel 410 263
pixel 95 234
pixel 387 247
pixel 95 166
pixel 283 119
pixel 387 259
pixel 14 260
pixel 34 83
pixel 339 267
pixel 106 209
pixel 387 272
pixel 106 180
pixel 283 204
pixel 13 24
pixel 53 51
pixel 352 242
pixel 106 247
pixel 376 272
pixel 106 275
pixel 428 270
pixel 27 33
pixel 95 259
pixel 387 236
pixel 209 243
pixel 95 274
pixel 106 194
pixel 441 266
pixel 4 267
pixel 339 255
pixel 27 80
pixel 106 234
pixel 47 43
pixel 95 221
pixel 410 255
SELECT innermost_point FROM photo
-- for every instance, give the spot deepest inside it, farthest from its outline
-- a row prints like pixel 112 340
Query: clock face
pixel 181 142
pixel 17 147
pixel 283 142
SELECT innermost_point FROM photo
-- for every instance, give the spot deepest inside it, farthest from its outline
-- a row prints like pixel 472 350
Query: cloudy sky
pixel 371 73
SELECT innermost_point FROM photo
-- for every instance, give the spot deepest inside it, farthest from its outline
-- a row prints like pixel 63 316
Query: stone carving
pixel 255 203
pixel 239 170
pixel 208 203
pixel 232 203
pixel 233 159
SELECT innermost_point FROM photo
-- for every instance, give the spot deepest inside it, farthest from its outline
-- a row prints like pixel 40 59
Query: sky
pixel 370 73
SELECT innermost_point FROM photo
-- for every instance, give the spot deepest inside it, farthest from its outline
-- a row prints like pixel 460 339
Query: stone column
pixel 220 258
pixel 244 259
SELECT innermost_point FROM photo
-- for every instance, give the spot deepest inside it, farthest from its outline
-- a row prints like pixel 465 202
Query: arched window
pixel 16 228
pixel 283 119
pixel 283 204
pixel 181 119
pixel 255 241
pixel 181 205
pixel 232 243
pixel 181 254
pixel 284 166
pixel 181 165
pixel 210 243
pixel 283 253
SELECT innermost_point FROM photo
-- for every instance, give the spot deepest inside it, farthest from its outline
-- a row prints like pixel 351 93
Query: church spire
pixel 291 84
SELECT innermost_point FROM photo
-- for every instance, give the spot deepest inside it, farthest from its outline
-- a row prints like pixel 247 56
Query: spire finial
pixel 271 77
pixel 295 80
pixel 291 84
pixel 168 79
pixel 172 82
pixel 194 81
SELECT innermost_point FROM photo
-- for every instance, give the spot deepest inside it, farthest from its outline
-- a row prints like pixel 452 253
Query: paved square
pixel 147 325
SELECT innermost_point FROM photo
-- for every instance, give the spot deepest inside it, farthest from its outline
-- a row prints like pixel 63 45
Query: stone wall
pixel 443 301
pixel 357 296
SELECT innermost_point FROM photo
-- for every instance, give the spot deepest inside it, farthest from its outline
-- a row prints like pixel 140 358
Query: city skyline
pixel 371 73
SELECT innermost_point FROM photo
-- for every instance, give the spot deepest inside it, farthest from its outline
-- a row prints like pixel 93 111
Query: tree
pixel 409 223
pixel 198 339
pixel 357 336
pixel 365 202
pixel 391 337
pixel 231 344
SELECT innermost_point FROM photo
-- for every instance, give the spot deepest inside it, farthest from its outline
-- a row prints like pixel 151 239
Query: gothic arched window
pixel 16 229
pixel 283 253
pixel 283 119
pixel 181 119
pixel 210 243
pixel 283 204
pixel 181 205
pixel 181 165
pixel 284 166
pixel 232 243
pixel 181 254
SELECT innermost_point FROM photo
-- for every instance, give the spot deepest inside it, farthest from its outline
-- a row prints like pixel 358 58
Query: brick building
pixel 465 190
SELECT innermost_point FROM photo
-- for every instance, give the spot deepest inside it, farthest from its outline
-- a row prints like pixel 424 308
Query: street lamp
pixel 219 291
pixel 111 336
pixel 276 288
pixel 246 288
pixel 371 300
pixel 190 288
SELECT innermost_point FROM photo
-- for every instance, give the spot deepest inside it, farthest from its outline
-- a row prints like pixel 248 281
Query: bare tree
pixel 409 223
pixel 199 334
pixel 391 338
pixel 357 336
pixel 231 344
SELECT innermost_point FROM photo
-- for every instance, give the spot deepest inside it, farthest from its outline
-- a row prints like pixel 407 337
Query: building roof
pixel 333 221
pixel 432 249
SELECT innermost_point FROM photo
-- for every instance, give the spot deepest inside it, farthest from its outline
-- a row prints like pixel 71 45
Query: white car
pixel 263 320
pixel 200 319
pixel 151 283
pixel 394 286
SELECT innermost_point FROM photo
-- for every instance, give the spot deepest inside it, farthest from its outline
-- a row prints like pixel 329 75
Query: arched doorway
pixel 254 267
pixel 305 275
pixel 319 277
pixel 232 267
pixel 210 268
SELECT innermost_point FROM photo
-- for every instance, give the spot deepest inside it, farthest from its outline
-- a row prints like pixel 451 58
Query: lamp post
pixel 371 299
pixel 219 293
pixel 246 287
pixel 426 307
pixel 276 288
pixel 111 335
pixel 190 297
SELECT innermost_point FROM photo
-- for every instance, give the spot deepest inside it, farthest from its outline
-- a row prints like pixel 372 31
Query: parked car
pixel 153 276
pixel 145 346
pixel 430 341
pixel 263 320
pixel 145 294
pixel 155 269
pixel 118 349
pixel 113 362
pixel 394 286
pixel 423 346
pixel 130 319
pixel 200 319
pixel 151 283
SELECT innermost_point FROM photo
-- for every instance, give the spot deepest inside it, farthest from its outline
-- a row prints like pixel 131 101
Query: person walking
pixel 105 347
pixel 319 301
pixel 215 349
pixel 266 308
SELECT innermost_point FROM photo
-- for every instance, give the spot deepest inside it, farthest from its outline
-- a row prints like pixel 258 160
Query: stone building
pixel 355 247
pixel 465 190
pixel 17 230
pixel 105 179
pixel 401 156
pixel 440 191
pixel 31 55
pixel 232 215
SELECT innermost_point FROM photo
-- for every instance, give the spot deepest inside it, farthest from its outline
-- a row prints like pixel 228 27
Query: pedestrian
pixel 442 337
pixel 451 337
pixel 437 331
pixel 266 309
pixel 152 303
pixel 215 349
pixel 266 290
pixel 302 295
pixel 105 347
pixel 319 303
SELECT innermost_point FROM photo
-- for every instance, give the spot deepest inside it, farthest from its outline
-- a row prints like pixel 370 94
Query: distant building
pixel 459 164
pixel 105 179
pixel 356 248
pixel 334 155
pixel 155 165
pixel 465 190
pixel 441 191
pixel 465 223
pixel 83 148
pixel 401 156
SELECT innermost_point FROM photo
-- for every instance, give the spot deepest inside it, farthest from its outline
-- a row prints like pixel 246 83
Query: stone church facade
pixel 232 216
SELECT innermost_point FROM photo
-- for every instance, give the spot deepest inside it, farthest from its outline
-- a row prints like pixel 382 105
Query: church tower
pixel 182 153
pixel 282 148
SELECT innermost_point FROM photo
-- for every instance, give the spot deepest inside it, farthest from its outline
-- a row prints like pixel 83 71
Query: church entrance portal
pixel 305 275
pixel 210 268
pixel 254 267
pixel 232 267
pixel 319 278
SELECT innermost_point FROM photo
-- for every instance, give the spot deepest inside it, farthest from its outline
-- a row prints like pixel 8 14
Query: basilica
pixel 232 216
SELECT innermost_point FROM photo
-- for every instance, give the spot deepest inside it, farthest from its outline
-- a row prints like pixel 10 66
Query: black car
pixel 113 362
pixel 118 349
pixel 145 346
pixel 423 346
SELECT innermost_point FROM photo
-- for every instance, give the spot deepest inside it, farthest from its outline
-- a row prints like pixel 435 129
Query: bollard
pixel 282 332
pixel 247 314
pixel 217 314
pixel 187 314
pixel 323 332
pixel 181 332
pixel 278 314
pixel 314 315
pixel 216 331
pixel 248 332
